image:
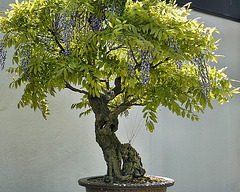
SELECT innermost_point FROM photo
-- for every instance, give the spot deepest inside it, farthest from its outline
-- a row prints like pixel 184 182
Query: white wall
pixel 38 155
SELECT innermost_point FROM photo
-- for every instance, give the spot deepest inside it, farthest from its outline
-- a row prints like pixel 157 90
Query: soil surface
pixel 135 181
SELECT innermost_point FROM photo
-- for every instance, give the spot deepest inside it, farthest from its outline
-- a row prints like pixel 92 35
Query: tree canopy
pixel 145 53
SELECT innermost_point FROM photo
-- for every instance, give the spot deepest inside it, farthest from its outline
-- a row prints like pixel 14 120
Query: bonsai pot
pixel 155 184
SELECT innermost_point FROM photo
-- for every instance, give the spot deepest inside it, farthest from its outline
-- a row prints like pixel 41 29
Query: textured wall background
pixel 38 155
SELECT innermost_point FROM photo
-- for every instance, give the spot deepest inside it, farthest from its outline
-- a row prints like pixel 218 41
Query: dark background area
pixel 229 9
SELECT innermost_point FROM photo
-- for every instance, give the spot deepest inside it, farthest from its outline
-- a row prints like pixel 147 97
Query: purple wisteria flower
pixel 25 62
pixel 46 40
pixel 202 73
pixel 145 66
pixel 146 57
pixel 131 63
pixel 117 9
pixel 96 23
pixel 72 27
pixel 66 35
pixel 173 44
pixel 3 53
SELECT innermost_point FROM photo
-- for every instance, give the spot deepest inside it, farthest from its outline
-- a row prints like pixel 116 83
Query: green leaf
pixel 153 119
pixel 183 114
pixel 160 35
pixel 85 113
pixel 131 82
pixel 110 24
pixel 236 91
pixel 150 125
pixel 210 105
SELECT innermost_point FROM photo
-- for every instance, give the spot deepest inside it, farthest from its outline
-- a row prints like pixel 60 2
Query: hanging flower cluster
pixel 71 27
pixel 146 57
pixel 117 9
pixel 63 27
pixel 201 70
pixel 202 73
pixel 97 24
pixel 3 53
pixel 25 62
pixel 66 35
pixel 46 40
pixel 174 46
pixel 131 63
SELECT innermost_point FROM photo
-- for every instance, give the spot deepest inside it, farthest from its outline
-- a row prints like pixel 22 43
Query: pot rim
pixel 91 184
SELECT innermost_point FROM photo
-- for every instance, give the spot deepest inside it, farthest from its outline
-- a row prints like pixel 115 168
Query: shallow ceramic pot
pixel 97 186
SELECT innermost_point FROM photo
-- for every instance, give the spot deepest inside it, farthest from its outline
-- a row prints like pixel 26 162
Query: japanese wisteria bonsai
pixel 115 54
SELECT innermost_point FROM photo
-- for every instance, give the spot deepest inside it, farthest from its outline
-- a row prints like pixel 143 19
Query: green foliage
pixel 91 52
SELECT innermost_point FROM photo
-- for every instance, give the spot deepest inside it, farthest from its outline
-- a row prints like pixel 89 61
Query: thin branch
pixel 138 104
pixel 55 38
pixel 112 106
pixel 115 48
pixel 75 89
pixel 167 59
pixel 137 64
pixel 122 107
pixel 106 81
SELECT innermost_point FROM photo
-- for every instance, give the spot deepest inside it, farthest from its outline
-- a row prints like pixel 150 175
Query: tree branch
pixel 122 107
pixel 112 93
pixel 118 86
pixel 115 48
pixel 137 64
pixel 55 38
pixel 75 89
pixel 167 59
pixel 138 104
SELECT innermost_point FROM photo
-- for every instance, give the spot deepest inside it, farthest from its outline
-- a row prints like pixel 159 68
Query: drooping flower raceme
pixel 202 73
pixel 145 66
pixel 173 44
pixel 67 36
pixel 71 27
pixel 131 63
pixel 146 57
pixel 3 53
pixel 96 23
pixel 63 27
pixel 200 63
pixel 25 62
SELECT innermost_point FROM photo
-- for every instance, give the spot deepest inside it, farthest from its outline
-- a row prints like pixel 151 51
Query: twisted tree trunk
pixel 123 161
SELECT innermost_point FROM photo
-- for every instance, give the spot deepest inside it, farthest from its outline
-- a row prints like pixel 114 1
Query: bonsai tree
pixel 115 54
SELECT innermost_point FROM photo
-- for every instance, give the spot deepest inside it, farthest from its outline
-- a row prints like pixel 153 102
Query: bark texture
pixel 123 161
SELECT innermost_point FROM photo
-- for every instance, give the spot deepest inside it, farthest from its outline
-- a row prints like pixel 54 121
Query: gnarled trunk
pixel 123 161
